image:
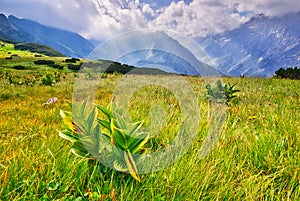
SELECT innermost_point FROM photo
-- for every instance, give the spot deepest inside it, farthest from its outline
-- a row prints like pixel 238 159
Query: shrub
pixel 74 67
pixel 44 62
pixel 56 66
pixel 5 96
pixel 117 67
pixel 72 60
pixel 19 67
pixel 48 80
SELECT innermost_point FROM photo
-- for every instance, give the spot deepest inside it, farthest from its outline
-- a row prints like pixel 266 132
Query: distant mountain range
pixel 257 48
pixel 23 30
pixel 153 49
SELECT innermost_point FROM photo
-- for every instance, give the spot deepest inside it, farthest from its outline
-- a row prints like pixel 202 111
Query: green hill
pixel 38 48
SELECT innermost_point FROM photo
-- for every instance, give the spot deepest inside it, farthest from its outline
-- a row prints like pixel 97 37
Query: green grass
pixel 26 58
pixel 256 158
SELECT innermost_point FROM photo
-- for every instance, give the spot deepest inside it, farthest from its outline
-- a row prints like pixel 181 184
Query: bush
pixel 44 62
pixel 74 67
pixel 290 73
pixel 56 66
pixel 49 80
pixel 19 67
pixel 72 60
pixel 5 96
pixel 117 67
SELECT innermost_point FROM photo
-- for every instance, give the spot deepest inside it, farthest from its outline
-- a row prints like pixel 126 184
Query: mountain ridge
pixel 258 47
pixel 154 49
pixel 29 31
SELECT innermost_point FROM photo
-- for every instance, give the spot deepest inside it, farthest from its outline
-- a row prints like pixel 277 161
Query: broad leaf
pixel 131 165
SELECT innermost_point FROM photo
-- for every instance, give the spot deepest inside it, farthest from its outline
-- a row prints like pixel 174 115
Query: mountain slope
pixel 155 49
pixel 38 48
pixel 257 48
pixel 10 32
pixel 27 31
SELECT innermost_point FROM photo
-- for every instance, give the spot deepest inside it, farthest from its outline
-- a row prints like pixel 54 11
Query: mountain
pixel 154 49
pixel 27 31
pixel 257 48
pixel 10 32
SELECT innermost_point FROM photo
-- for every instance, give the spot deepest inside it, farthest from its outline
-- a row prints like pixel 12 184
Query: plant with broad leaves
pixel 111 140
pixel 223 94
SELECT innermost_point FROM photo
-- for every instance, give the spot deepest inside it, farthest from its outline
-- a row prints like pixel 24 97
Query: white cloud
pixel 269 7
pixel 106 18
pixel 146 8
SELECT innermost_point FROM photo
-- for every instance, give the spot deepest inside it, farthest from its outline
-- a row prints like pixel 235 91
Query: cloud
pixel 102 19
pixel 269 7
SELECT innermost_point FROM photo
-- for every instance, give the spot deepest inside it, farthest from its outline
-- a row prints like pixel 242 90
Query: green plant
pixel 49 79
pixel 103 75
pixel 111 140
pixel 221 93
pixel 11 79
pixel 230 93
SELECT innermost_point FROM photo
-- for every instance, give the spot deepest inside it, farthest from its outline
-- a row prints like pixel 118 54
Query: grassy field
pixel 256 158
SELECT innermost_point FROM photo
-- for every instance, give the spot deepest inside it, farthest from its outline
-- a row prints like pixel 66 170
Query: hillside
pixel 28 31
pixel 32 56
pixel 38 48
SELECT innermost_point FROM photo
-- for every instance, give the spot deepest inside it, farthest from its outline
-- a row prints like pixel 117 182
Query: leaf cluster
pixel 222 94
pixel 111 140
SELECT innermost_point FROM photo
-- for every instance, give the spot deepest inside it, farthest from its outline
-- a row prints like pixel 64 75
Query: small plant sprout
pixel 111 140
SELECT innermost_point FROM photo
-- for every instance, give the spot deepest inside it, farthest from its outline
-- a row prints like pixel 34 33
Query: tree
pixel 290 73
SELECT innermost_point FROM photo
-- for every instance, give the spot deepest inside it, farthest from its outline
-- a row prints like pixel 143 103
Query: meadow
pixel 256 158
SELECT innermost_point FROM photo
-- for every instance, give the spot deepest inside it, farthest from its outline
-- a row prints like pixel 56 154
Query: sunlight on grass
pixel 255 158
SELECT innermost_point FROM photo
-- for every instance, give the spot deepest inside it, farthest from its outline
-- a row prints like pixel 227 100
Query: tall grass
pixel 256 158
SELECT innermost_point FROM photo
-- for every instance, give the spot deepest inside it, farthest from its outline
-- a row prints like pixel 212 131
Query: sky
pixel 103 19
